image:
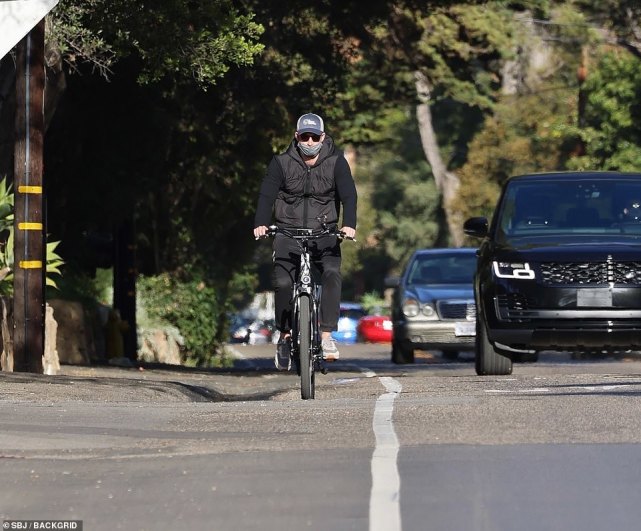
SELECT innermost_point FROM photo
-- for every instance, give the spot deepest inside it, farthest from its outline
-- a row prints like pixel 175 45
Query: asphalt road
pixel 430 446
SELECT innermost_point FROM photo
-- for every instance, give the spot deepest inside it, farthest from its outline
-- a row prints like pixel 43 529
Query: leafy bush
pixel 373 303
pixel 52 259
pixel 190 306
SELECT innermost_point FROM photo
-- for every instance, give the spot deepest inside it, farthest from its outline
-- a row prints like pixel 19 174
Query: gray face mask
pixel 310 151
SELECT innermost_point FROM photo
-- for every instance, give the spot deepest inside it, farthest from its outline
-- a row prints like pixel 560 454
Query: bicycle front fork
pixel 317 350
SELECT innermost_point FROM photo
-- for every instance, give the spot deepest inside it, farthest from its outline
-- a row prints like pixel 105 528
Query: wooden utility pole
pixel 29 230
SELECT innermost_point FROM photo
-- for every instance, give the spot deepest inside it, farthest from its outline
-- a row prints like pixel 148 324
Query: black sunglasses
pixel 306 136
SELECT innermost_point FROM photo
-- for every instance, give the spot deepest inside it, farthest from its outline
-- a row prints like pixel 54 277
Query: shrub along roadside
pixel 185 304
pixel 52 259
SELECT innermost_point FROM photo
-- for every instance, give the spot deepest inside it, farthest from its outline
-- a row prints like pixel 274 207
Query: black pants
pixel 326 257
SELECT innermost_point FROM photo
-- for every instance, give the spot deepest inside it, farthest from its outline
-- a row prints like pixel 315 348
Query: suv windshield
pixel 559 208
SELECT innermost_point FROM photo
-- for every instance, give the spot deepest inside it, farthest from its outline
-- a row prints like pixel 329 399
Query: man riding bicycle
pixel 305 186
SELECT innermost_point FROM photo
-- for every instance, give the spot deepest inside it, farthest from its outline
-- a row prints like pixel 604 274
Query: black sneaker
pixel 283 357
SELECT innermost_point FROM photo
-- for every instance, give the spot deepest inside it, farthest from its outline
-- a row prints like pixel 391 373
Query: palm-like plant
pixel 53 260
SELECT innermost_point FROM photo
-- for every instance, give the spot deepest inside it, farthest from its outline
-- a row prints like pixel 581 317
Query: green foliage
pixel 242 287
pixel 7 266
pixel 461 48
pixel 189 305
pixel 187 164
pixel 612 135
pixel 54 263
pixel 618 17
pixel 403 194
pixel 534 129
pixel 78 286
pixel 522 136
pixel 6 232
pixel 373 303
pixel 177 39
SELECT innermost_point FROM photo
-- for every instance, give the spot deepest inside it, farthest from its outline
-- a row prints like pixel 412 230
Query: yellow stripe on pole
pixel 30 226
pixel 30 189
pixel 30 264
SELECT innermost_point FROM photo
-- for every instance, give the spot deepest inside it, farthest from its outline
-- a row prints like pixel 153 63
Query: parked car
pixel 251 331
pixel 433 304
pixel 374 329
pixel 349 314
pixel 559 267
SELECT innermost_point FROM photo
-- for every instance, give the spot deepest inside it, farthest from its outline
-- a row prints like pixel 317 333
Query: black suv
pixel 559 268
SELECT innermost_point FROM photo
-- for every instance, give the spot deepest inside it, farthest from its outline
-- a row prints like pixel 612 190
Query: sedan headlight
pixel 429 311
pixel 520 270
pixel 411 307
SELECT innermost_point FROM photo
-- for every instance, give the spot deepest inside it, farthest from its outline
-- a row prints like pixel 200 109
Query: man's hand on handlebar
pixel 260 232
pixel 263 232
pixel 348 232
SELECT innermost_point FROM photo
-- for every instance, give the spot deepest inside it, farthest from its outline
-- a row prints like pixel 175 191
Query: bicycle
pixel 307 350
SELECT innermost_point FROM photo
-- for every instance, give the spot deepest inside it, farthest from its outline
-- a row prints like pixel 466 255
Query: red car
pixel 374 329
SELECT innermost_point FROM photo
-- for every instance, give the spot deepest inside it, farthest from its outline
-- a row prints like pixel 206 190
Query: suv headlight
pixel 520 270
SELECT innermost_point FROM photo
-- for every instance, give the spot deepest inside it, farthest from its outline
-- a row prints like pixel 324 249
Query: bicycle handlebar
pixel 313 234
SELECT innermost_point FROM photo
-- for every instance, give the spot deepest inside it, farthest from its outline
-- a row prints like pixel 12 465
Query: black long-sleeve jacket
pixel 299 194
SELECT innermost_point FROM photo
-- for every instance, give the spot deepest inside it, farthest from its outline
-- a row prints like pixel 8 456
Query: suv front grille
pixel 593 273
pixel 457 310
pixel 514 301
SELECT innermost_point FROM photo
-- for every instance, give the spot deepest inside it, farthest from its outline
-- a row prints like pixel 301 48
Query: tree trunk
pixel 446 181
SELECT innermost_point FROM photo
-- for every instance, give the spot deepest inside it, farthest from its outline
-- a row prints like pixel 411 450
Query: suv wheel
pixel 401 355
pixel 487 360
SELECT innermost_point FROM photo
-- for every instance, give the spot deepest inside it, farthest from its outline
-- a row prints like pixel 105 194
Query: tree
pixel 200 97
pixel 611 133
pixel 523 135
pixel 621 19
pixel 404 200
pixel 452 53
pixel 179 39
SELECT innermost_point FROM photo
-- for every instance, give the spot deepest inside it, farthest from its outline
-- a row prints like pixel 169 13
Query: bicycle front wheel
pixel 307 379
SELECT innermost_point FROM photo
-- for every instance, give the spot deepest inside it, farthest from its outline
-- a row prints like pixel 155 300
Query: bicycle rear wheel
pixel 307 377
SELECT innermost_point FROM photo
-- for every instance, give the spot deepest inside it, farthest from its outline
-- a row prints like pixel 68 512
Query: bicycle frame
pixel 306 335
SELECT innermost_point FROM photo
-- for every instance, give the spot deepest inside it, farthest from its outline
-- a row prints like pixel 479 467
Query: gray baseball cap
pixel 310 123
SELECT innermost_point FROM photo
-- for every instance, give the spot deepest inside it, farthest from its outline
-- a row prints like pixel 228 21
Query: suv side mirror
pixel 476 227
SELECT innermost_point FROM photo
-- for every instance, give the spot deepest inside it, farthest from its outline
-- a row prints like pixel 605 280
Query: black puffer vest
pixel 309 192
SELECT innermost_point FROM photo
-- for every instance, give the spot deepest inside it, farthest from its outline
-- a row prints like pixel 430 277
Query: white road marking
pixel 243 361
pixel 235 352
pixel 547 390
pixel 600 388
pixel 517 391
pixel 385 497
